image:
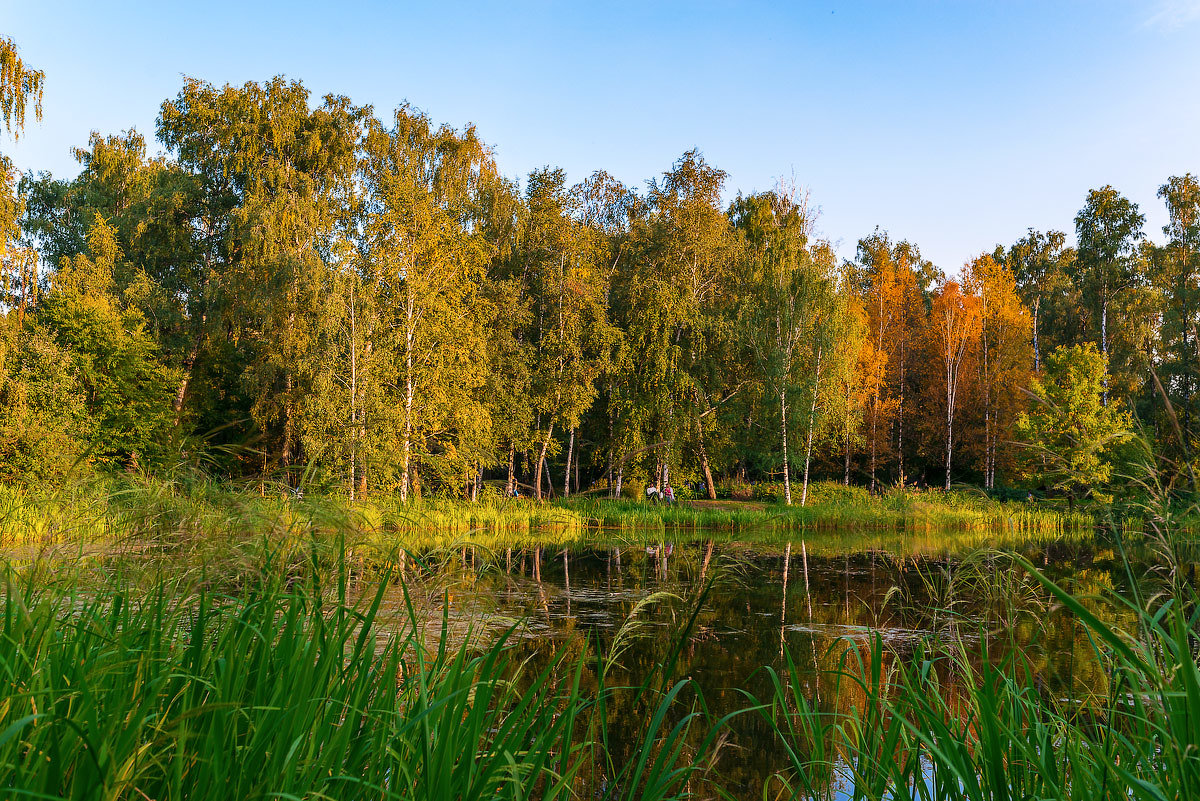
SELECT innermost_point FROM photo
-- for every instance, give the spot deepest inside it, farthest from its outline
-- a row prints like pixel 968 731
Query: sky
pixel 955 125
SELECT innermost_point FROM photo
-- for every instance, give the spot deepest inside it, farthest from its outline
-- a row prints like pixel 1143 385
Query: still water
pixel 720 611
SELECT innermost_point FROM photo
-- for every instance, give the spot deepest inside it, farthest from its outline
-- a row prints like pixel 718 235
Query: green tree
pixel 1069 430
pixel 607 207
pixel 1042 265
pixel 787 314
pixel 19 84
pixel 675 289
pixel 44 423
pixel 156 210
pixel 1107 266
pixel 288 170
pixel 424 254
pixel 571 338
pixel 1178 277
pixel 127 390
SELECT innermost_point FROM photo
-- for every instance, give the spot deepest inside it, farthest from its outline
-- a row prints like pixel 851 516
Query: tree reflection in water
pixel 750 616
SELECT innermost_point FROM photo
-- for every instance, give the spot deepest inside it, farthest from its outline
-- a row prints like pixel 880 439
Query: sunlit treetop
pixel 18 85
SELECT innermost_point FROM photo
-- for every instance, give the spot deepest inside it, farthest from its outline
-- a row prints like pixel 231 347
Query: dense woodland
pixel 312 290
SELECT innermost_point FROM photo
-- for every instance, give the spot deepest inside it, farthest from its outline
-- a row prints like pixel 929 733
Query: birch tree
pixel 954 320
pixel 1003 354
pixel 789 313
pixel 1109 230
pixel 427 259
pixel 572 340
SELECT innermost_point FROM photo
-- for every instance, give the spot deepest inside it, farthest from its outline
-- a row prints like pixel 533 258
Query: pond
pixel 719 609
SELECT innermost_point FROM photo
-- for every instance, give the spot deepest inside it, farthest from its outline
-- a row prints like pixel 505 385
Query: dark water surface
pixel 724 610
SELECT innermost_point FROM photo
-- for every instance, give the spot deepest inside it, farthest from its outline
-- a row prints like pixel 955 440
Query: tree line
pixel 309 286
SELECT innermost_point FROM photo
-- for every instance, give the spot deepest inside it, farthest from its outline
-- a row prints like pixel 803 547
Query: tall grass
pixel 219 647
pixel 971 717
pixel 169 690
pixel 903 735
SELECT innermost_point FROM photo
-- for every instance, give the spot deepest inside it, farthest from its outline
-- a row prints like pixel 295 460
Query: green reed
pixel 158 687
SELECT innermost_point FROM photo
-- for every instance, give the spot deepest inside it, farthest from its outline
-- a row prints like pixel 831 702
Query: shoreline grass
pixel 140 511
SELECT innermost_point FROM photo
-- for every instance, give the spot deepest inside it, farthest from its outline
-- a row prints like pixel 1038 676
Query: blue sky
pixel 956 125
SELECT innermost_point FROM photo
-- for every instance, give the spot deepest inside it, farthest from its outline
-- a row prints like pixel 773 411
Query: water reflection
pixel 729 608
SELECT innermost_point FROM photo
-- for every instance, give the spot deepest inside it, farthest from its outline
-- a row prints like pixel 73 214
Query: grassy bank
pixel 209 517
pixel 835 506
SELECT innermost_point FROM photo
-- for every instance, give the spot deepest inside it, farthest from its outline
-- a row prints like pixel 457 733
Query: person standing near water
pixel 668 494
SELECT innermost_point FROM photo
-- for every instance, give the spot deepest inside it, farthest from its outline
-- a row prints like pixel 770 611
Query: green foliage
pixel 45 426
pixel 1069 429
pixel 18 85
pixel 300 285
pixel 126 389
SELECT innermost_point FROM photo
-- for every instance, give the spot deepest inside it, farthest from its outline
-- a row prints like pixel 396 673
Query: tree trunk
pixel 1104 344
pixel 567 472
pixel 511 483
pixel 704 466
pixel 900 420
pixel 812 416
pixel 353 394
pixel 188 365
pixel 1037 362
pixel 949 447
pixel 620 479
pixel 608 466
pixel 874 437
pixel 406 445
pixel 787 483
pixel 541 464
pixel 286 457
pixel 846 473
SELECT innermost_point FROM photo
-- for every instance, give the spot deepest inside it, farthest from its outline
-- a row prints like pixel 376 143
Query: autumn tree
pixel 954 323
pixel 894 279
pixel 1003 354
pixel 854 377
